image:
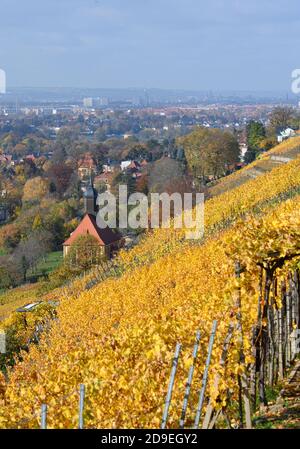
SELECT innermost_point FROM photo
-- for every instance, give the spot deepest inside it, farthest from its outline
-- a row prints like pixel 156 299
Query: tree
pixel 209 151
pixel 60 175
pixel 6 278
pixel 268 142
pixel 29 251
pixel 281 117
pixel 162 173
pixel 123 178
pixel 255 135
pixel 35 189
pixel 10 236
pixel 37 222
pixel 142 184
pixel 84 253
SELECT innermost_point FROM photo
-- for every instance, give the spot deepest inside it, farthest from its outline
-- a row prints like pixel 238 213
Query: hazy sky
pixel 190 44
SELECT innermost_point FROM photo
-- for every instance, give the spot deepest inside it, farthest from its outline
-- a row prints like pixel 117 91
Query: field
pixel 49 264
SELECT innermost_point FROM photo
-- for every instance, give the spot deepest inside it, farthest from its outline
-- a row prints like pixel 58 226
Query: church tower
pixel 89 198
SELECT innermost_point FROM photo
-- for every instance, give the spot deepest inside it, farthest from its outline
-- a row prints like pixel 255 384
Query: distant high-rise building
pixel 88 102
pixel 103 101
pixel 146 98
pixel 2 82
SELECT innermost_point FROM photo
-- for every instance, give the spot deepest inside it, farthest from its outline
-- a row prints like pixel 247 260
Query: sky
pixel 174 44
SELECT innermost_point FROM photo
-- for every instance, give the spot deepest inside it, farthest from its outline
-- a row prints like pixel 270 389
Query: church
pixel 109 241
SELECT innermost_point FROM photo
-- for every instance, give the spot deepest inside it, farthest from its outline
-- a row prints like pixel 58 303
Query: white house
pixel 125 165
pixel 285 134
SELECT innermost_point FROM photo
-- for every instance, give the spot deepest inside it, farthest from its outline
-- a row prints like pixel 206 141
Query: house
pixel 285 134
pixel 110 167
pixel 30 157
pixel 134 166
pixel 125 165
pixel 86 165
pixel 105 178
pixel 109 241
pixel 127 136
pixel 131 166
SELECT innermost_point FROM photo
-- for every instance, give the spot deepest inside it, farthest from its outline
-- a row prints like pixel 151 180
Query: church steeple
pixel 90 197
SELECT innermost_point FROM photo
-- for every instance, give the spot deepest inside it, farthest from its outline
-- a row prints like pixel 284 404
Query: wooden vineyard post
pixel 279 344
pixel 209 411
pixel 271 346
pixel 288 327
pixel 264 337
pixel 171 385
pixel 44 416
pixel 255 345
pixel 81 406
pixel 189 381
pixel 205 375
pixel 253 369
pixel 294 307
pixel 244 390
pixel 276 343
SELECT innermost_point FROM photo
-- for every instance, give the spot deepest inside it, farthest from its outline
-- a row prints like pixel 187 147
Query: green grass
pixel 49 264
pixel 11 299
pixel 2 252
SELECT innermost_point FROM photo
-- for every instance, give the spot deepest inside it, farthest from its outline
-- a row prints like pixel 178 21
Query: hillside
pixel 280 154
pixel 165 290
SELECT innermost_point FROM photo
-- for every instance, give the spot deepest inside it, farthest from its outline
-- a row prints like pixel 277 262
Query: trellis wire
pixel 205 375
pixel 189 381
pixel 171 385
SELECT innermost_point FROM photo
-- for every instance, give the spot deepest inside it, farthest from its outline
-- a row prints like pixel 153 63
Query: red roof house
pixel 108 240
pixel 86 165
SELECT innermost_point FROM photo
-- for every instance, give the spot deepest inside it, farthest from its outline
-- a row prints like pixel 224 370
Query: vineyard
pixel 117 337
pixel 289 149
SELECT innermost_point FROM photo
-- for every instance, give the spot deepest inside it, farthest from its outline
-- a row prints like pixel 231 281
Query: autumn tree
pixel 35 189
pixel 209 151
pixel 60 175
pixel 7 278
pixel 84 253
pixel 142 184
pixel 280 117
pixel 10 236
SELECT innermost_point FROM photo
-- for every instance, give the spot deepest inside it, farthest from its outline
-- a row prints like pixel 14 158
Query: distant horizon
pixel 142 88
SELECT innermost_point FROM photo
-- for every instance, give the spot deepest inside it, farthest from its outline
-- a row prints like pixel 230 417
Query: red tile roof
pixel 87 161
pixel 89 226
